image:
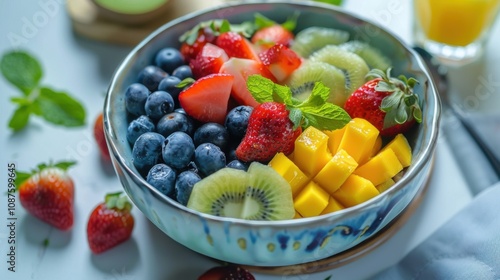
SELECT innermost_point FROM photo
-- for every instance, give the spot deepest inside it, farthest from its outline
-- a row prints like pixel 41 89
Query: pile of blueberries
pixel 169 148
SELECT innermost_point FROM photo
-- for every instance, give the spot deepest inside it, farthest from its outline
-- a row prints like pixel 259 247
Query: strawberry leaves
pixel 402 104
pixel 22 176
pixel 314 111
pixel 24 72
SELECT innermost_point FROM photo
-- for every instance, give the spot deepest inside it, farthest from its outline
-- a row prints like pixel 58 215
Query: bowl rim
pixel 426 153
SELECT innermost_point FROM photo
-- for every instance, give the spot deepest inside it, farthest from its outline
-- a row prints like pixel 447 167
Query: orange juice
pixel 455 22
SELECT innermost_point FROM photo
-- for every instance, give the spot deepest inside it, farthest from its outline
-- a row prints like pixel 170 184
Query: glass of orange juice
pixel 455 31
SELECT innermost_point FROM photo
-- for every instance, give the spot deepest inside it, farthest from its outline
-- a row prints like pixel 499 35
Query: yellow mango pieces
pixel 333 205
pixel 288 170
pixel 355 190
pixel 334 138
pixel 359 138
pixel 336 171
pixel 385 185
pixel 311 201
pixel 311 151
pixel 401 148
pixel 380 168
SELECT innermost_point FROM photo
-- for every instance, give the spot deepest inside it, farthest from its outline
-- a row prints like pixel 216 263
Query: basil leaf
pixel 21 70
pixel 59 108
pixel 20 117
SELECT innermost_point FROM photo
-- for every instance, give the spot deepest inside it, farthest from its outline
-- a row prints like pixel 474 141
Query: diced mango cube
pixel 311 201
pixel 311 151
pixel 288 170
pixel 334 138
pixel 385 185
pixel 401 148
pixel 359 138
pixel 333 205
pixel 381 167
pixel 336 171
pixel 377 146
pixel 355 190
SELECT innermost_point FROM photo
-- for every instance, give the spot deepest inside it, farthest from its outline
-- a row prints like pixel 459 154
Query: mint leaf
pixel 261 88
pixel 20 117
pixel 21 70
pixel 59 108
pixel 295 115
pixel 319 95
pixel 325 117
pixel 282 94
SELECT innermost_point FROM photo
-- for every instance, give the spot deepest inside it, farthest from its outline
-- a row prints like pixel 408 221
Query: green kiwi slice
pixel 372 56
pixel 258 194
pixel 301 81
pixel 314 38
pixel 353 66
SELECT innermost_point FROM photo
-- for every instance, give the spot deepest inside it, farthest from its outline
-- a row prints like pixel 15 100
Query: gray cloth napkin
pixel 466 247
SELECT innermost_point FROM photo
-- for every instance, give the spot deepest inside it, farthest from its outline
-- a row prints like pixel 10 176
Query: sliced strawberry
pixel 280 61
pixel 207 99
pixel 236 45
pixel 241 69
pixel 208 61
pixel 191 50
pixel 272 35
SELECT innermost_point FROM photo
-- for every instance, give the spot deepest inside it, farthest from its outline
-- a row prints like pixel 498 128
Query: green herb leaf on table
pixel 24 72
pixel 314 111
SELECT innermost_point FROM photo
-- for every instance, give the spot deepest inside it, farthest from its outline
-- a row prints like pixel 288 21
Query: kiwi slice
pixel 353 66
pixel 372 56
pixel 258 194
pixel 301 81
pixel 314 38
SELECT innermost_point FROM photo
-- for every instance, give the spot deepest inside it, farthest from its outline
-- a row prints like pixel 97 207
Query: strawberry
pixel 241 69
pixel 280 61
pixel 191 49
pixel 207 99
pixel 208 61
pixel 48 193
pixel 271 35
pixel 99 137
pixel 269 131
pixel 386 102
pixel 110 223
pixel 235 45
pixel 229 272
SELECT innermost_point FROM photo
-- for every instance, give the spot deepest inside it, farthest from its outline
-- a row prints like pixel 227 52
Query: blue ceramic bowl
pixel 264 243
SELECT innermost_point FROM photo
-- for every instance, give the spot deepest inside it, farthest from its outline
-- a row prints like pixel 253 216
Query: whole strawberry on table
pixel 47 192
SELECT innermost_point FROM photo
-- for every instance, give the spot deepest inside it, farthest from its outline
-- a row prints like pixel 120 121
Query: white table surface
pixel 84 68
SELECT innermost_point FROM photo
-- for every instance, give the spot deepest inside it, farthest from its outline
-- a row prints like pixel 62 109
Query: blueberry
pixel 135 99
pixel 168 59
pixel 169 84
pixel 138 127
pixel 182 72
pixel 147 151
pixel 209 158
pixel 184 185
pixel 173 122
pixel 237 121
pixel 212 133
pixel 178 150
pixel 237 164
pixel 163 178
pixel 151 76
pixel 158 104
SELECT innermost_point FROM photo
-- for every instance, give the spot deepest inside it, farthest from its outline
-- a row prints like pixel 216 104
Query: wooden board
pixel 87 21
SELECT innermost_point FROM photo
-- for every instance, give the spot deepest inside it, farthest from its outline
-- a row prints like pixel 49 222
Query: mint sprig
pixel 314 111
pixel 25 73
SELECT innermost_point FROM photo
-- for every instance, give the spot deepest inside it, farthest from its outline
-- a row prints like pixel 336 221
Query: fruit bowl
pixel 286 242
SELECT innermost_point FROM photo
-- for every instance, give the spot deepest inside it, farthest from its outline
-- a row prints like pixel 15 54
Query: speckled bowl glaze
pixel 281 243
